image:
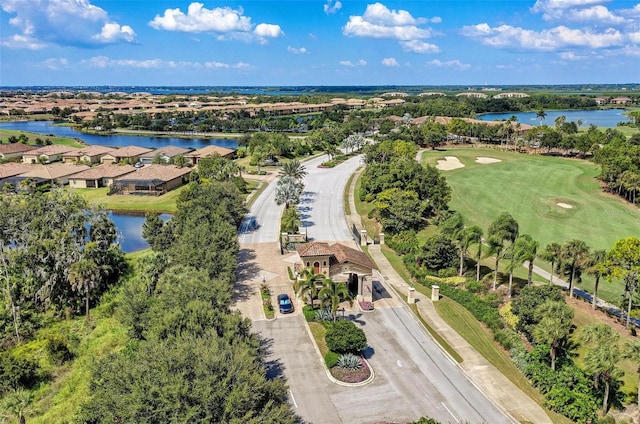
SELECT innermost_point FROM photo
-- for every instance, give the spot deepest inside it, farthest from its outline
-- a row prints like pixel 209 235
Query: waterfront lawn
pixel 161 204
pixel 34 138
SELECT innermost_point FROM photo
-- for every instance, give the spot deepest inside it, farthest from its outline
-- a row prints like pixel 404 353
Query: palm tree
pixel 332 293
pixel 474 234
pixel 631 351
pixel 603 356
pixel 83 277
pixel 575 252
pixel 598 267
pixel 17 404
pixel 288 191
pixel 308 286
pixel 541 115
pixel 293 169
pixel 502 233
pixel 525 250
pixel 554 326
pixel 468 236
pixel 551 253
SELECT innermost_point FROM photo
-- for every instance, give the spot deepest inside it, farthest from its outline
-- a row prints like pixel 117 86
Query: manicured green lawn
pixel 72 142
pixel 165 203
pixel 530 187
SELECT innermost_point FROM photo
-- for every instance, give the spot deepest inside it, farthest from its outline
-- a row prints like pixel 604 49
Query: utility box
pixel 435 293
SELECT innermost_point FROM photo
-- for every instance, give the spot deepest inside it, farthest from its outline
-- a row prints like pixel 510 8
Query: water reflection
pixel 130 230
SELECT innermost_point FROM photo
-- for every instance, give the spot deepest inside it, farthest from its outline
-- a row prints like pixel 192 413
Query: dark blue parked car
pixel 284 303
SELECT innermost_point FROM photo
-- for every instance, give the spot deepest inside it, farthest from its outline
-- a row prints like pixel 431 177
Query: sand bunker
pixel 564 205
pixel 485 160
pixel 449 163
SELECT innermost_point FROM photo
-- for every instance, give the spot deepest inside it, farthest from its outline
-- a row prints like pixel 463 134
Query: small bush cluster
pixel 344 337
pixel 323 314
pixel 403 242
pixel 331 359
pixel 349 361
pixel 309 313
pixel 18 373
pixel 352 376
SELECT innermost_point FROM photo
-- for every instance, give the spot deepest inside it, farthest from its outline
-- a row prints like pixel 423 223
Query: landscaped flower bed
pixel 366 306
pixel 352 376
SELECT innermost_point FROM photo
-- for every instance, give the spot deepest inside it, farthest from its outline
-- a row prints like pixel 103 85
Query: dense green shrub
pixel 480 309
pixel 58 349
pixel 404 242
pixel 344 337
pixel 309 313
pixel 524 306
pixel 331 359
pixel 16 373
pixel 438 253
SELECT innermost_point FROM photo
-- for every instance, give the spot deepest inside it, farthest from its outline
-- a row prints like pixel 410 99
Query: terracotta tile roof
pixel 346 254
pixel 210 150
pixel 93 150
pixel 157 172
pixel 315 248
pixel 54 149
pixel 129 151
pixel 106 170
pixel 7 149
pixel 53 171
pixel 340 252
pixel 168 151
pixel 11 169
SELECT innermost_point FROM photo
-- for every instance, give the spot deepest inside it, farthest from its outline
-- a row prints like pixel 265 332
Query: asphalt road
pixel 414 377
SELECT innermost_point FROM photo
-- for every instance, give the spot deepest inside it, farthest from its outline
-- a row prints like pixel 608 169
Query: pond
pixel 48 127
pixel 600 118
pixel 129 228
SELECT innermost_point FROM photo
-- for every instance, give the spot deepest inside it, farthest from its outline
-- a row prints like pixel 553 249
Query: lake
pixel 599 118
pixel 48 127
pixel 130 230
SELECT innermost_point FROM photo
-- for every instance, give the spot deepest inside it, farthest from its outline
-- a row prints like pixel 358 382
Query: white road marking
pixel 399 363
pixel 296 405
pixel 449 411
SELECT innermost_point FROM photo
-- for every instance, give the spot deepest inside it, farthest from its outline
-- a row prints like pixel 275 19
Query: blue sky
pixel 323 42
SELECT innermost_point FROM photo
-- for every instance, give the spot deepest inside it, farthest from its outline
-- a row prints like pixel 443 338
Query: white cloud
pixel 456 64
pixel 200 19
pixel 506 36
pixel 576 11
pixel 75 23
pixel 418 46
pixel 348 63
pixel 113 32
pixel 227 22
pixel 378 21
pixel 293 50
pixel 268 30
pixel 55 64
pixel 390 62
pixel 330 7
pixel 106 62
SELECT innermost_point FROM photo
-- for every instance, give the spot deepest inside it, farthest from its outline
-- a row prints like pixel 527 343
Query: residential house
pixel 340 263
pixel 129 154
pixel 166 154
pixel 47 154
pixel 12 169
pixel 196 155
pixel 56 174
pixel 601 101
pixel 89 155
pixel 14 150
pixel 623 100
pixel 511 96
pixel 151 180
pixel 473 95
pixel 99 176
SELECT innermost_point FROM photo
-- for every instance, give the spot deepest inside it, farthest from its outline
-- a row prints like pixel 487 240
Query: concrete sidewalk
pixel 484 375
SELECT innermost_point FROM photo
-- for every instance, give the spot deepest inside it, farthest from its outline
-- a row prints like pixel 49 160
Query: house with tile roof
pixel 56 174
pixel 12 169
pixel 99 176
pixel 87 155
pixel 340 263
pixel 151 180
pixel 166 154
pixel 196 155
pixel 46 154
pixel 129 154
pixel 14 150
